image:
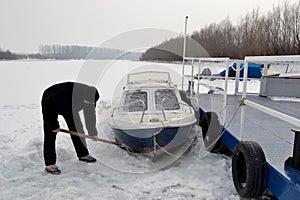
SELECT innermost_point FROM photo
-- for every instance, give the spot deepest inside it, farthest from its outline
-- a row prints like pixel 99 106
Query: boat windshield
pixel 149 77
pixel 166 99
pixel 135 101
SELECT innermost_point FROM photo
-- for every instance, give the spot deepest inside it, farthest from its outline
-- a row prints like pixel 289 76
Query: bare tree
pixel 274 33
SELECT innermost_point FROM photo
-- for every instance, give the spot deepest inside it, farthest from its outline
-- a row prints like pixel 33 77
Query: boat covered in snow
pixel 151 115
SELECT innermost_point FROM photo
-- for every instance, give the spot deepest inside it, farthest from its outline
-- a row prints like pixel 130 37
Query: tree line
pixel 276 32
pixel 64 52
pixel 84 52
pixel 7 55
pixel 78 52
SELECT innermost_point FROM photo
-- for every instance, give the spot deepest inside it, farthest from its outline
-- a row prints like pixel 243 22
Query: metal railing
pixel 180 103
pixel 134 102
pixel 265 60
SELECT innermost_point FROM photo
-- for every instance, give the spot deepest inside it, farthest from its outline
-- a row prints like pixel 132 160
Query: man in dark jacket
pixel 67 99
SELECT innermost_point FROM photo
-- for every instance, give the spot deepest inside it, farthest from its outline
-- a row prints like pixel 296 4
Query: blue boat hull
pixel 142 140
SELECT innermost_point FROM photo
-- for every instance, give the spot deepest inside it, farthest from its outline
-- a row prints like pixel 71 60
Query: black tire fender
pixel 249 169
pixel 211 131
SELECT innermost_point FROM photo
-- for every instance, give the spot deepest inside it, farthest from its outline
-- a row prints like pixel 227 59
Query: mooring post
pixel 294 161
pixel 296 150
pixel 183 51
pixel 190 90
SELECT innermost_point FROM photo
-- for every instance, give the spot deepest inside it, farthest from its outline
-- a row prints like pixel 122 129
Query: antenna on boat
pixel 184 49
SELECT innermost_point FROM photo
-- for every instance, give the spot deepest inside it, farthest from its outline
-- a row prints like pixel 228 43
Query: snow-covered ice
pixel 116 175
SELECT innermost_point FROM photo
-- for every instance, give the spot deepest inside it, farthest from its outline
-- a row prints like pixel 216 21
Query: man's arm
pixel 90 119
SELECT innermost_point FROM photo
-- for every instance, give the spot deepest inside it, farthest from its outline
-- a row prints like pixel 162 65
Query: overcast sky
pixel 26 24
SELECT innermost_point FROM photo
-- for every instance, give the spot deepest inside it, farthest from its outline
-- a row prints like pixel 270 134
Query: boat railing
pixel 133 102
pixel 179 102
pixel 163 109
pixel 185 104
pixel 145 108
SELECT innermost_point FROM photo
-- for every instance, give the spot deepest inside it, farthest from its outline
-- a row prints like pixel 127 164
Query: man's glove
pixel 56 130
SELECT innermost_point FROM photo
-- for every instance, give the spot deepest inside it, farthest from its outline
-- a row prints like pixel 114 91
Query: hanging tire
pixel 248 169
pixel 211 131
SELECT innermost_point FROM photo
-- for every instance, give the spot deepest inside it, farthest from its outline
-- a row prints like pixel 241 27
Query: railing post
pixel 237 77
pixel 192 79
pixel 198 77
pixel 144 110
pixel 163 111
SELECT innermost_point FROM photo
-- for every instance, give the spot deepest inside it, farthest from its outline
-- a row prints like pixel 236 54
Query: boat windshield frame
pixel 148 77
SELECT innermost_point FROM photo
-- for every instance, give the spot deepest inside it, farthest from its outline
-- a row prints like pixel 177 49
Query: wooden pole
pixel 90 137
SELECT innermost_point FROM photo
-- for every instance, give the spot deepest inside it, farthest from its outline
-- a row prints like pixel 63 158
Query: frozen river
pixel 116 175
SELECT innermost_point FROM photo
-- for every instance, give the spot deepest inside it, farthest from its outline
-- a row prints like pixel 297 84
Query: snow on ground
pixel 116 175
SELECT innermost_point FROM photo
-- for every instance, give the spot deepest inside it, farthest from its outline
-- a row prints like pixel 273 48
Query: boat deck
pixel 274 135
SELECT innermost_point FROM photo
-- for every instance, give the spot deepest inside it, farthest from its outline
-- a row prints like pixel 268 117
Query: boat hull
pixel 143 140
